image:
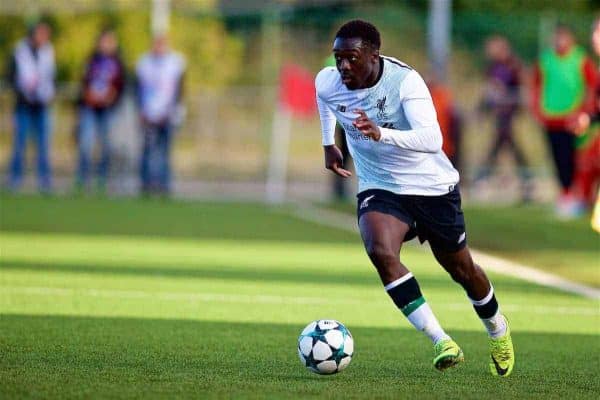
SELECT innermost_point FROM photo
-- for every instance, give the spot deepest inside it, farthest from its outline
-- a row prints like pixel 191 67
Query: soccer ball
pixel 325 346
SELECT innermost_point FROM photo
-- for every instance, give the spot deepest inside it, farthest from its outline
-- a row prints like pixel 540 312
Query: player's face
pixel 357 62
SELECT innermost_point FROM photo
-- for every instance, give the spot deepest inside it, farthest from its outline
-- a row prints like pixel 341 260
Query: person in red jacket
pixel 596 212
pixel 587 127
pixel 563 87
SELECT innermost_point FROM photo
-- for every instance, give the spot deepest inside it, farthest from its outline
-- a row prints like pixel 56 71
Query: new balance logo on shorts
pixel 365 202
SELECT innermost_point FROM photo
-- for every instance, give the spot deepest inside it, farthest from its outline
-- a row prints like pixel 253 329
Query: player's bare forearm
pixel 334 161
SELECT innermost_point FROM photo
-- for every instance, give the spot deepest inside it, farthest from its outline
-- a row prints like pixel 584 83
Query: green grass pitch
pixel 152 299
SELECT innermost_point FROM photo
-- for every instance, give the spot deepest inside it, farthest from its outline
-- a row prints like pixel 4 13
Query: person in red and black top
pixel 596 119
pixel 563 87
pixel 587 128
pixel 102 87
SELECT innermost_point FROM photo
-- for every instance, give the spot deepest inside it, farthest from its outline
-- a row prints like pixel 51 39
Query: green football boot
pixel 447 354
pixel 502 354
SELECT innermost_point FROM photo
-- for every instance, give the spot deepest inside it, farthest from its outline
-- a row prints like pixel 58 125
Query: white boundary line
pixel 339 220
pixel 257 299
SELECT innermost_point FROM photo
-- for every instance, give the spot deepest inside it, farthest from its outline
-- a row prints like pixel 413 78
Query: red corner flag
pixel 297 90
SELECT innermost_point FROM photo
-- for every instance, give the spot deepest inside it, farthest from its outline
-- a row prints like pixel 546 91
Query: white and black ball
pixel 325 346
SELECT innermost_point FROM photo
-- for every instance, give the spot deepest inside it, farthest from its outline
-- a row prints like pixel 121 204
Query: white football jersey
pixel 408 159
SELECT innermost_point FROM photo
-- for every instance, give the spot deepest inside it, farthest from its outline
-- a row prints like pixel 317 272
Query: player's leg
pixel 440 220
pixel 383 235
pixel 473 279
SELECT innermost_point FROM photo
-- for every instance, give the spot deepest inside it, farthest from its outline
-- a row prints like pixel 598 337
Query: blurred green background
pixel 234 51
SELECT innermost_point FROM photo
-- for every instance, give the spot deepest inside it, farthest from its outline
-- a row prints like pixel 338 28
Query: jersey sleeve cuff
pixel 386 135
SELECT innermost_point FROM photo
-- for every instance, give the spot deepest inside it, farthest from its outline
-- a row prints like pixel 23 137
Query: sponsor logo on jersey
pixel 341 108
pixel 353 133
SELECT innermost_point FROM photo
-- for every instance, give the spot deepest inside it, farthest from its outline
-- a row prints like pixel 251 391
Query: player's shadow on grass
pixel 64 356
pixel 226 272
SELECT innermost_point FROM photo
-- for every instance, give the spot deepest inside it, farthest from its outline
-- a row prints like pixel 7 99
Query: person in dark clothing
pixel 102 87
pixel 502 97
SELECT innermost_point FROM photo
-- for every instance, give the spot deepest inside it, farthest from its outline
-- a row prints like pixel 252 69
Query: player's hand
pixel 334 161
pixel 366 126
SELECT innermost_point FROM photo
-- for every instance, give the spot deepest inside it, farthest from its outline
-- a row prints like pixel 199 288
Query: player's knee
pixel 382 256
pixel 463 271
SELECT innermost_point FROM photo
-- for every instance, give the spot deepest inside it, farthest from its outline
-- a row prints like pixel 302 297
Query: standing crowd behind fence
pixel 564 100
pixel 158 92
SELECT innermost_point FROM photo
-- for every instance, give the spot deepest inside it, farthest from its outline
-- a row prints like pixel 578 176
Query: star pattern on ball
pixel 325 346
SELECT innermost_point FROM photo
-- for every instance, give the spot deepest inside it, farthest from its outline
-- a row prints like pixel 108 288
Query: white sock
pixel 424 320
pixel 408 298
pixel 496 326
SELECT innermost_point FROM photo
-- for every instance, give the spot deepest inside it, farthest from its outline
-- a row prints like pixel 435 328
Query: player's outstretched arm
pixel 334 160
pixel 426 139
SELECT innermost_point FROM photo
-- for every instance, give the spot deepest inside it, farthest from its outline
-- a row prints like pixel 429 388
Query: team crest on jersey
pixel 381 107
pixel 341 108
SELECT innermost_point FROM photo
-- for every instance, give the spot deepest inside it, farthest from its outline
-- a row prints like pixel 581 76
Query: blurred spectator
pixel 339 184
pixel 449 119
pixel 159 89
pixel 587 127
pixel 563 87
pixel 102 87
pixel 596 45
pixel 502 98
pixel 31 74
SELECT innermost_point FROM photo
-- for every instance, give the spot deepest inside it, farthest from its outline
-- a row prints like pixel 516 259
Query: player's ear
pixel 375 55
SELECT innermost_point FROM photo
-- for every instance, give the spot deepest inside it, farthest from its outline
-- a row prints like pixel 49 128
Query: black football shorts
pixel 437 219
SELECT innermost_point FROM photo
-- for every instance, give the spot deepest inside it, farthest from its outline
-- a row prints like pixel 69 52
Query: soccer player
pixel 407 186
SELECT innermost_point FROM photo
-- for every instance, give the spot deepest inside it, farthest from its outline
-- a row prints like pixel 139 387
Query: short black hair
pixel 363 30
